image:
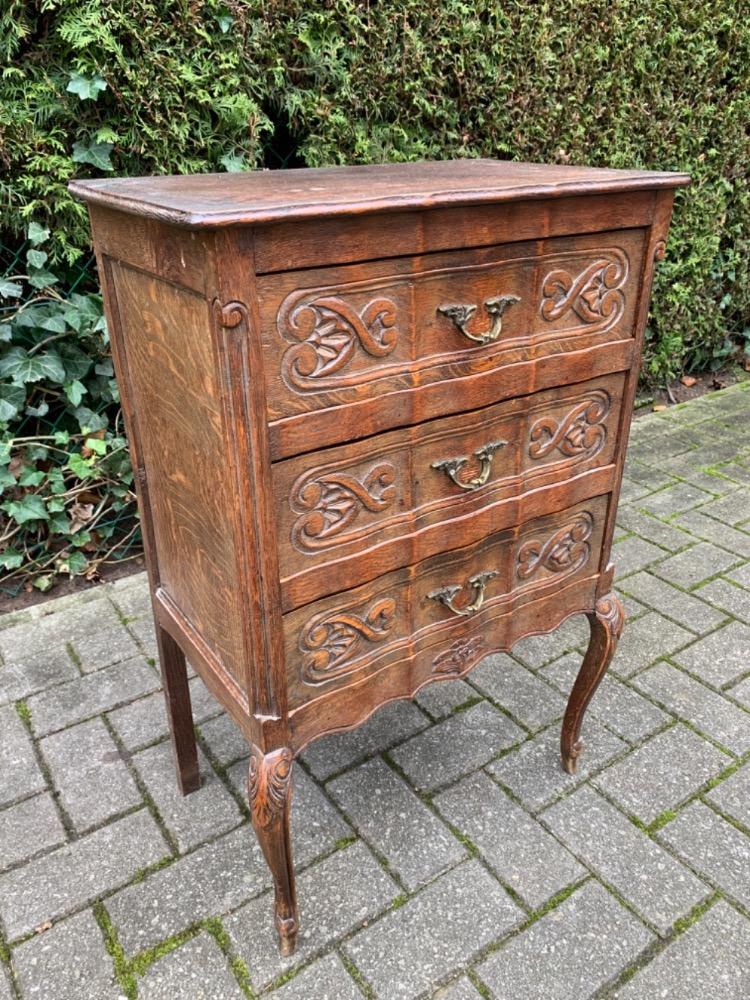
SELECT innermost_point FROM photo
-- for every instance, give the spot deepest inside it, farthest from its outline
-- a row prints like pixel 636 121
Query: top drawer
pixel 342 336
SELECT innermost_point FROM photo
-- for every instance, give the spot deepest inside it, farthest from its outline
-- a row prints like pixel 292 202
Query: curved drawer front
pixel 343 335
pixel 332 640
pixel 346 501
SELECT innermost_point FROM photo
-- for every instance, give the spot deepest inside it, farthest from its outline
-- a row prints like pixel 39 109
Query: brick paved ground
pixel 441 850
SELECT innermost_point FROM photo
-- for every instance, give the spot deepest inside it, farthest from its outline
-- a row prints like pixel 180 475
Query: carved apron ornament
pixel 564 552
pixel 457 655
pixel 333 641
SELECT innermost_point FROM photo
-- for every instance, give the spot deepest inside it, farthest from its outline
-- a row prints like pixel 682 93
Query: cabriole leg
pixel 269 793
pixel 174 680
pixel 606 623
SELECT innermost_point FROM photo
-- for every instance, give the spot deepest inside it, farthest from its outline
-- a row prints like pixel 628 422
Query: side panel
pixel 174 393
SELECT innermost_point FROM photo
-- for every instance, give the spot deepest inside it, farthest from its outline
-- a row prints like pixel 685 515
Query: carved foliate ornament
pixel 268 784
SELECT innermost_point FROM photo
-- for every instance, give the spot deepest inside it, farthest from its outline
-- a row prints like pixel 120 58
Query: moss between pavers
pixel 216 929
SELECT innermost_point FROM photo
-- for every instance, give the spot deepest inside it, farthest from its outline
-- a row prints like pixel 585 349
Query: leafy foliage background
pixel 149 86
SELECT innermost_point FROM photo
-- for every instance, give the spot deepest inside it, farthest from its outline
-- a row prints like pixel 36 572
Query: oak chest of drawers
pixel 378 418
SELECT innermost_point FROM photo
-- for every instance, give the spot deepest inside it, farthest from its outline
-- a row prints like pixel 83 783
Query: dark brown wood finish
pixel 378 417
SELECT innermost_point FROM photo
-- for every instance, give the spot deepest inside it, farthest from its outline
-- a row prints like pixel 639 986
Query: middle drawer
pixel 350 513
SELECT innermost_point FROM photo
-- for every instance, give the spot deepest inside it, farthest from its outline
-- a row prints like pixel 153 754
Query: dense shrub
pixel 149 86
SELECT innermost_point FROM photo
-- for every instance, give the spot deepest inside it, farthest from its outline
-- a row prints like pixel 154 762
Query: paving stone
pixel 727 597
pixel 145 721
pixel 633 610
pixel 674 499
pixel 669 537
pixel 528 699
pixel 536 650
pixel 631 491
pixel 192 818
pixel 67 962
pixel 634 553
pixel 515 846
pixel 445 924
pixel 736 542
pixel 741 575
pixel 646 475
pixel 97 635
pixel 690 567
pixel 708 960
pixel 209 882
pixel 28 828
pixel 399 826
pixel 720 657
pixel 741 692
pixel 19 774
pixel 86 696
pixel 692 701
pixel 683 608
pixel 629 714
pixel 732 796
pixel 662 773
pixel 658 887
pixel 462 990
pixel 34 656
pixel 74 875
pixel 316 824
pixel 335 896
pixel 326 979
pixel 224 739
pixel 197 969
pixel 534 774
pixel 713 847
pixel 734 509
pixel 5 990
pixel 89 774
pixel 459 744
pixel 441 698
pixel 389 725
pixel 570 952
pixel 130 594
pixel 646 639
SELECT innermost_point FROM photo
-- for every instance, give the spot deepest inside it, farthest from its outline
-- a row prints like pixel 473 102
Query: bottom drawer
pixel 335 641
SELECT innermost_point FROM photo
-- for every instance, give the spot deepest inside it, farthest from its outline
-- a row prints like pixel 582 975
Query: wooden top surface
pixel 209 200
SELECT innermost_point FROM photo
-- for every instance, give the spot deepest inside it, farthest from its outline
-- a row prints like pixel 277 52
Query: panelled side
pixel 175 396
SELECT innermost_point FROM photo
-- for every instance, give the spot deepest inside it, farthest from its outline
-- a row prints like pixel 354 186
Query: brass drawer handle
pixel 447 594
pixel 484 455
pixel 462 315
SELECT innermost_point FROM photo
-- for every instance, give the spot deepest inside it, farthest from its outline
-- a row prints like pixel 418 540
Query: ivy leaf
pixel 6 477
pixel 30 477
pixel 96 445
pixel 42 279
pixel 37 234
pixel 95 153
pixel 11 558
pixel 75 564
pixel 6 332
pixel 43 582
pixel 86 87
pixel 28 508
pixel 75 391
pixel 89 421
pixel 9 289
pixel 36 258
pixel 38 411
pixel 80 466
pixel 225 22
pixel 233 163
pixel 12 398
pixel 22 367
pixel 54 323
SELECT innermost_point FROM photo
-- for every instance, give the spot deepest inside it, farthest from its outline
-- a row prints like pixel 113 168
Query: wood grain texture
pixel 378 418
pixel 252 197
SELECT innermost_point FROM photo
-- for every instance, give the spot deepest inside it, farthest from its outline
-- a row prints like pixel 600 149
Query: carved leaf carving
pixel 580 433
pixel 328 331
pixel 328 503
pixel 333 641
pixel 268 784
pixel 457 655
pixel 595 294
pixel 563 552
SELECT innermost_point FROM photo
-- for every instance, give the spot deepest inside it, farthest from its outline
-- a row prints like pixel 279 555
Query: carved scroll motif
pixel 332 641
pixel 457 655
pixel 330 502
pixel 268 784
pixel 594 294
pixel 563 552
pixel 580 433
pixel 328 331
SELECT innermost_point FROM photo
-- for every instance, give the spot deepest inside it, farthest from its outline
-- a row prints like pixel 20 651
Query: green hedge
pixel 149 87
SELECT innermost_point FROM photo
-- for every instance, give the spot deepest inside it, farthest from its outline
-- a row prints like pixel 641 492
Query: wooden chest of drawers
pixel 378 418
